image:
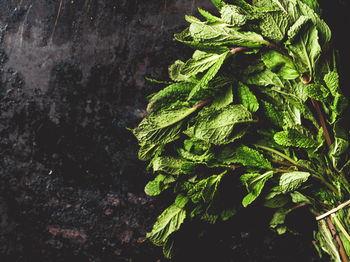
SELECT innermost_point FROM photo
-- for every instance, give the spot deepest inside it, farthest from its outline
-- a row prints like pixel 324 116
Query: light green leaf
pixel 317 91
pixel 168 164
pixel 223 99
pixel 276 201
pixel 274 24
pixel 210 18
pixel 297 28
pixel 160 129
pixel 205 190
pixel 292 137
pixel 251 157
pixel 264 78
pixel 278 220
pixel 221 126
pixel 292 180
pixel 209 75
pixel 332 81
pixel 298 198
pixel 175 71
pixel 167 223
pixel 233 15
pixel 273 113
pixel 169 248
pixel 254 184
pixel 169 95
pixel 280 64
pixel 225 36
pixel 199 64
pixel 305 51
pixel 181 200
pixel 247 98
pixel 158 185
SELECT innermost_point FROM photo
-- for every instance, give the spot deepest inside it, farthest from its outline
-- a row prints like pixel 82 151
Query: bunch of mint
pixel 255 115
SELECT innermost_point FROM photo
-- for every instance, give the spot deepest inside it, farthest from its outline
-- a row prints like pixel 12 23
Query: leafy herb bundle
pixel 257 107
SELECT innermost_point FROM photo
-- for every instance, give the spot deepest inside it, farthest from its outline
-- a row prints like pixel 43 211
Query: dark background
pixel 72 78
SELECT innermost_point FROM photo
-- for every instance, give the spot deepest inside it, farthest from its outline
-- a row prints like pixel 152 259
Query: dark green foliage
pixel 256 102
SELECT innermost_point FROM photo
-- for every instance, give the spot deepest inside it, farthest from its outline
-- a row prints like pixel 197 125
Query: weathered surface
pixel 72 78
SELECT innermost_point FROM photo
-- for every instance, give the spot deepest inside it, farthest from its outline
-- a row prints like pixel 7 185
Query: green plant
pixel 257 107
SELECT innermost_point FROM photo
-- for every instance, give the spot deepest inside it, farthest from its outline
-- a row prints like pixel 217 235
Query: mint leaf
pixel 167 223
pixel 160 129
pixel 317 91
pixel 233 15
pixel 254 183
pixel 247 98
pixel 209 75
pixel 292 181
pixel 280 64
pixel 223 99
pixel 305 51
pixel 332 81
pixel 292 137
pixel 199 64
pixel 273 25
pixel 158 185
pixel 251 157
pixel 264 78
pixel 221 126
pixel 205 189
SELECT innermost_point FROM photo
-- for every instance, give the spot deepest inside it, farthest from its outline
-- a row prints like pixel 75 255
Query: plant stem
pixel 336 236
pixel 322 121
pixel 278 153
pixel 342 229
pixel 203 103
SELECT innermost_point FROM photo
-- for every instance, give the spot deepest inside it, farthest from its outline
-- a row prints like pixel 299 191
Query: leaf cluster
pixel 256 109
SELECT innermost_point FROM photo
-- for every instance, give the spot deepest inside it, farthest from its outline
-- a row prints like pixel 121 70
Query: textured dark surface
pixel 72 78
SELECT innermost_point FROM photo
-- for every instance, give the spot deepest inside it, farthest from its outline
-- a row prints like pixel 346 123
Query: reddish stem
pixel 203 103
pixel 322 121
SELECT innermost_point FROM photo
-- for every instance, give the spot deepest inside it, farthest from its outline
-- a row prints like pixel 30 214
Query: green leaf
pixel 322 27
pixel 158 185
pixel 274 24
pixel 221 126
pixel 210 18
pixel 175 71
pixel 297 28
pixel 292 181
pixel 317 91
pixel 223 35
pixel 169 95
pixel 305 51
pixel 223 99
pixel 292 137
pixel 160 129
pixel 251 157
pixel 314 5
pixel 218 3
pixel 273 113
pixel 280 64
pixel 247 98
pixel 181 200
pixel 254 184
pixel 169 248
pixel 210 74
pixel 167 223
pixel 233 15
pixel 168 164
pixel 298 198
pixel 278 219
pixel 199 63
pixel 332 81
pixel 264 78
pixel 205 190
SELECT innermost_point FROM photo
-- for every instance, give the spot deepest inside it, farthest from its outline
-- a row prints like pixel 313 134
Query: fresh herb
pixel 259 102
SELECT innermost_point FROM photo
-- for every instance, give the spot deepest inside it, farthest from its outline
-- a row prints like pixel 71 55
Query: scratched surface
pixel 72 78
